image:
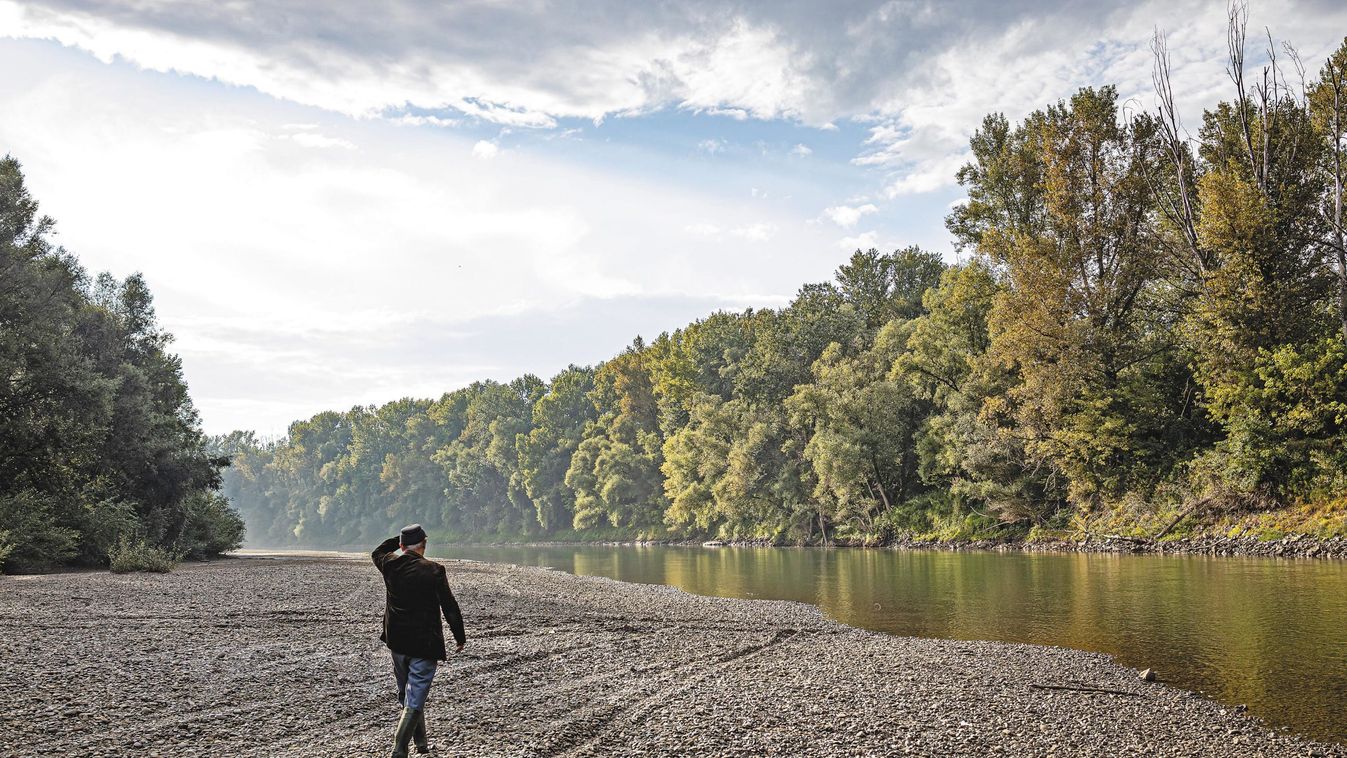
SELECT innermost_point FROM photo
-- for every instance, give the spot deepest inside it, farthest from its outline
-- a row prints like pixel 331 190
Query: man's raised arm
pixel 384 549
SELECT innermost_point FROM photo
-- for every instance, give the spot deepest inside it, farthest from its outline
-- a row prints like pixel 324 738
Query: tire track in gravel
pixel 603 678
pixel 511 661
pixel 593 728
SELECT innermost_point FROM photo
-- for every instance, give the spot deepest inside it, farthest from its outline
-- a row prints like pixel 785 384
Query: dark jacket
pixel 417 592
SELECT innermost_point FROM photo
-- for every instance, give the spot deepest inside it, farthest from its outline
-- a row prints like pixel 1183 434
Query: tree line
pixel 99 442
pixel 1145 325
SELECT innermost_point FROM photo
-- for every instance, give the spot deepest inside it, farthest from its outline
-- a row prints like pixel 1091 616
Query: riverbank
pixel 1296 546
pixel 1293 546
pixel 279 656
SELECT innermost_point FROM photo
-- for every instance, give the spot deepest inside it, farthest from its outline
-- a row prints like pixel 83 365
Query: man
pixel 417 592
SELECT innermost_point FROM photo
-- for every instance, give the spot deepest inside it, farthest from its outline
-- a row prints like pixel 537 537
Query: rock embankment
pixel 280 657
pixel 1294 546
pixel 1298 546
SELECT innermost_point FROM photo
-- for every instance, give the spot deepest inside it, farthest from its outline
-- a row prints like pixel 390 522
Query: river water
pixel 1267 633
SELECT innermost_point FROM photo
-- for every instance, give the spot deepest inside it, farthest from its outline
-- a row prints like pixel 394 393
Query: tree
pixel 486 491
pixel 1079 320
pixel 885 287
pixel 559 420
pixel 1328 115
pixel 98 437
pixel 967 446
pixel 862 423
pixel 615 472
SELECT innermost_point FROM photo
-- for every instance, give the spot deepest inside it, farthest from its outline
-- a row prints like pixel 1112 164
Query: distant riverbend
pixel 264 657
pixel 1266 633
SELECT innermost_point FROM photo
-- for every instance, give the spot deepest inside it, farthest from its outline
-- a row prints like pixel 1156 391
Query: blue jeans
pixel 414 676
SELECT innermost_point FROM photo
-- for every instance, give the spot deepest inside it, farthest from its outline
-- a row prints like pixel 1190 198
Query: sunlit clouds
pixel 338 206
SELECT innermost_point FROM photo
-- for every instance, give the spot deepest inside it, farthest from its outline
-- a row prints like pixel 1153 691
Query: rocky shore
pixel 1295 546
pixel 280 657
pixel 1298 546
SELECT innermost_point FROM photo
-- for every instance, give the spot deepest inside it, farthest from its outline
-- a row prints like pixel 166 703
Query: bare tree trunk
pixel 1335 81
pixel 1178 203
pixel 1235 37
pixel 879 484
pixel 1342 288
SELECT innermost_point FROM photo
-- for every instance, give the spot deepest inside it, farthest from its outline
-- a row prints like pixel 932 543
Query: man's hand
pixel 459 649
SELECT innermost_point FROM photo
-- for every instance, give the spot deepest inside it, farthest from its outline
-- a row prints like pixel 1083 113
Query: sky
pixel 336 206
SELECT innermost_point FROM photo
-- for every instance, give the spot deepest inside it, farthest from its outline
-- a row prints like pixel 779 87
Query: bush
pixel 101 522
pixel 34 541
pixel 6 547
pixel 210 526
pixel 127 556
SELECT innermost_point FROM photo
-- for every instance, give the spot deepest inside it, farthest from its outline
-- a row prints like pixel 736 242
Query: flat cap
pixel 412 534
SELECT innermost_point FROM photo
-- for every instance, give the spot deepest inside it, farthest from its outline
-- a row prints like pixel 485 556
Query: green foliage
pixel 615 472
pixel 559 419
pixel 1285 423
pixel 36 538
pixel 98 436
pixel 1079 319
pixel 210 526
pixel 862 426
pixel 138 555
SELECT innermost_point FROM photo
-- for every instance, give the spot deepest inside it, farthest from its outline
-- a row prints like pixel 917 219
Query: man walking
pixel 417 593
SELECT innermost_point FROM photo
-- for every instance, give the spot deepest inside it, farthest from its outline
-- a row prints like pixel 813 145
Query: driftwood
pixel 1120 538
pixel 1183 514
pixel 1084 689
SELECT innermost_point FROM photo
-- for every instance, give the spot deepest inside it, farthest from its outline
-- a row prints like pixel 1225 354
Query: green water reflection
pixel 1268 633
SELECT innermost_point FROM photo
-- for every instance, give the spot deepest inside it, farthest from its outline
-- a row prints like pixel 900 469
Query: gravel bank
pixel 280 657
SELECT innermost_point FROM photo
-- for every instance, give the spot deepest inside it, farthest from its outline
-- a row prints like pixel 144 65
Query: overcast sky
pixel 337 206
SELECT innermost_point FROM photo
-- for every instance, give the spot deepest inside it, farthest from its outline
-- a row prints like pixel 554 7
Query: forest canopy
pixel 99 441
pixel 1144 326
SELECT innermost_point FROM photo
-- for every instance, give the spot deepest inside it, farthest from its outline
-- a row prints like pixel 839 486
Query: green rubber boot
pixel 419 734
pixel 403 737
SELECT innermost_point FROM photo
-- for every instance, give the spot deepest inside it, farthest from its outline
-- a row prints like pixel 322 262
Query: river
pixel 1267 633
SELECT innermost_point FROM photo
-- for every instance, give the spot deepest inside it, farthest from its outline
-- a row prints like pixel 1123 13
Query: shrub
pixel 210 526
pixel 101 522
pixel 6 547
pixel 127 556
pixel 34 541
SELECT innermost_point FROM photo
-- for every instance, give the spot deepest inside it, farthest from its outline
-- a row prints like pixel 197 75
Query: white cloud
pixel 352 263
pixel 760 231
pixel 410 225
pixel 711 146
pixel 803 151
pixel 410 120
pixel 813 62
pixel 846 216
pixel 738 114
pixel 923 74
pixel 754 232
pixel 320 141
pixel 485 150
pixel 702 229
pixel 862 241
